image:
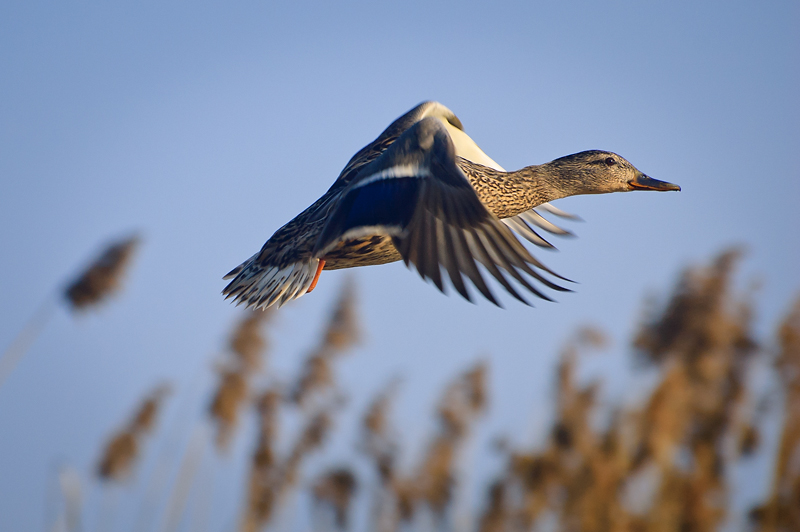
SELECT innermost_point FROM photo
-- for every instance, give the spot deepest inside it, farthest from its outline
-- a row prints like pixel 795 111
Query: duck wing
pixel 372 151
pixel 261 282
pixel 415 192
pixel 523 224
pixel 284 269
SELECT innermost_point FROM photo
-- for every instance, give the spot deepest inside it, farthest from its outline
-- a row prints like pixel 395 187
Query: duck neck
pixel 541 183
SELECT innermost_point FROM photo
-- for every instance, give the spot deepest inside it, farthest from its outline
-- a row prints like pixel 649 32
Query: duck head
pixel 600 172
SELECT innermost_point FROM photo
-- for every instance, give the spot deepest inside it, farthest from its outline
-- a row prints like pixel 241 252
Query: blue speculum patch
pixel 385 202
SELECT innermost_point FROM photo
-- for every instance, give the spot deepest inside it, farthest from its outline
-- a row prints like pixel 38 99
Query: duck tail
pixel 259 284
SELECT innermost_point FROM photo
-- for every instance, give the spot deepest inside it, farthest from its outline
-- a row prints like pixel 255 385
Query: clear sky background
pixel 208 127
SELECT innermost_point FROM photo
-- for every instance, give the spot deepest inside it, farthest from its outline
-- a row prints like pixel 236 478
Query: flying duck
pixel 425 193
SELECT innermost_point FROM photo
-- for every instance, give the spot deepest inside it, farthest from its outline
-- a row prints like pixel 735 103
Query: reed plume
pixel 432 485
pixel 660 467
pixel 781 512
pixel 98 281
pixel 343 330
pixel 335 490
pixel 264 473
pixel 244 358
pixel 699 317
pixel 272 477
pixel 341 333
pixel 312 437
pixel 228 401
pixel 103 276
pixel 249 342
pixel 378 441
pixel 123 448
pixel 704 342
pixel 247 348
pixel 578 464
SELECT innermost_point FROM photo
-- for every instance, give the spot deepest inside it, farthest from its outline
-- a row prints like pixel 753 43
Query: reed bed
pixel 661 463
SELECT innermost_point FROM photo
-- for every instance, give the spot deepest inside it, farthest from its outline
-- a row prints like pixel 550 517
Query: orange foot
pixel 316 276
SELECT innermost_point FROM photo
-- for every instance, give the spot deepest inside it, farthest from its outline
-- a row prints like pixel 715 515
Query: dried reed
pixel 432 485
pixel 103 276
pixel 343 330
pixel 273 477
pixel 311 438
pixel 781 512
pixel 341 333
pixel 69 483
pixel 118 456
pixel 659 468
pixel 249 342
pixel 227 402
pixel 123 448
pixel 661 465
pixel 248 345
pixel 377 439
pixel 190 463
pixel 24 340
pixel 98 281
pixel 264 473
pixel 335 489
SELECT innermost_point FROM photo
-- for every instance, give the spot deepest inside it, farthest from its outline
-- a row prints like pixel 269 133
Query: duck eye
pixel 610 161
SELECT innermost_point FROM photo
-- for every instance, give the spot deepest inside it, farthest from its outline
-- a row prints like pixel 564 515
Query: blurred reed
pixel 335 490
pixel 401 497
pixel 781 512
pixel 341 333
pixel 122 449
pixel 99 280
pixel 272 476
pixel 658 467
pixel 103 277
pixel 247 348
pixel 65 504
pixel 661 464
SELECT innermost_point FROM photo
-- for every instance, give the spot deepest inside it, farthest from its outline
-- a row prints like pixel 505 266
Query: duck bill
pixel 643 182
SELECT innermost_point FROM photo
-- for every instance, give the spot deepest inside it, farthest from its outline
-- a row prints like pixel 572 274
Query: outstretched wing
pixel 284 268
pixel 372 151
pixel 415 192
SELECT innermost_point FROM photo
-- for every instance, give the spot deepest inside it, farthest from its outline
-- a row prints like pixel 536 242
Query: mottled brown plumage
pixel 425 193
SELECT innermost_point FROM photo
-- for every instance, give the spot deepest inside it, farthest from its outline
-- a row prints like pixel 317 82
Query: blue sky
pixel 206 127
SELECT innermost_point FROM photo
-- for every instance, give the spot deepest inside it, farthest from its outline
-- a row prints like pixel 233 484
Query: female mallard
pixel 425 193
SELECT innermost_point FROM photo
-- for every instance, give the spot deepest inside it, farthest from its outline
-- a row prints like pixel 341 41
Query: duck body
pixel 425 193
pixel 297 238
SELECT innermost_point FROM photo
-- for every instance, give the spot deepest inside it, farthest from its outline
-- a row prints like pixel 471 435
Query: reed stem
pixel 24 340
